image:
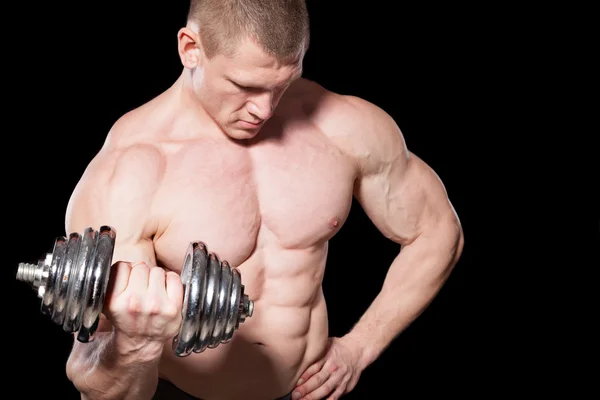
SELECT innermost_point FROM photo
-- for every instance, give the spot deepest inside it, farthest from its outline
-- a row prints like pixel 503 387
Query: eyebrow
pixel 241 82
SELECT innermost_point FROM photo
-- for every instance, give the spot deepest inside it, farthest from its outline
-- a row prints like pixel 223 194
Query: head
pixel 240 56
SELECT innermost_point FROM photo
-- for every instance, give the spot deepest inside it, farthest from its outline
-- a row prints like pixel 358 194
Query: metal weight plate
pixel 63 278
pixel 234 306
pixel 222 305
pixel 193 277
pixel 207 320
pixel 96 283
pixel 58 253
pixel 73 312
pixel 214 302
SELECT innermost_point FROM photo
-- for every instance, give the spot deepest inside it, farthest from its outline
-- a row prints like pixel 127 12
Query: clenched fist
pixel 144 306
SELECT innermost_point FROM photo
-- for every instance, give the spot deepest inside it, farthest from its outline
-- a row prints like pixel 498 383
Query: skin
pixel 267 198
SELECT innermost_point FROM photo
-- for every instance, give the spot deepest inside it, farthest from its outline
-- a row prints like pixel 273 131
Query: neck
pixel 191 117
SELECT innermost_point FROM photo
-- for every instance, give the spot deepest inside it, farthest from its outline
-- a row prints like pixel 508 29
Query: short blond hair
pixel 279 27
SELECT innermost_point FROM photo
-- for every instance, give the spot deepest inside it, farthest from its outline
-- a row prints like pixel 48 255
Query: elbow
pixel 80 363
pixel 73 370
pixel 71 366
pixel 447 240
pixel 455 238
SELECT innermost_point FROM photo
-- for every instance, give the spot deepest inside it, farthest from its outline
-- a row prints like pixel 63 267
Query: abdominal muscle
pixel 267 354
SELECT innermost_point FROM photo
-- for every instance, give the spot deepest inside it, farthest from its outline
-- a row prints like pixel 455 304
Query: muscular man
pixel 261 165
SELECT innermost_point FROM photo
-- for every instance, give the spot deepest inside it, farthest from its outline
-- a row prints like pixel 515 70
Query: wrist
pixel 137 350
pixel 366 352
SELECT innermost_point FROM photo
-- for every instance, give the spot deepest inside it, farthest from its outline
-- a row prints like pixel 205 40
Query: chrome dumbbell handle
pixel 35 274
pixel 26 272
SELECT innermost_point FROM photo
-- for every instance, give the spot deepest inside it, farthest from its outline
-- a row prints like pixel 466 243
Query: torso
pixel 269 209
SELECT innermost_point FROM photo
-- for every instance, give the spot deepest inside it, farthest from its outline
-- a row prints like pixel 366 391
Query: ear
pixel 189 47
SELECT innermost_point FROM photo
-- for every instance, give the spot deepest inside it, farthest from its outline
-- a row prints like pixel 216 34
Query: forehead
pixel 250 64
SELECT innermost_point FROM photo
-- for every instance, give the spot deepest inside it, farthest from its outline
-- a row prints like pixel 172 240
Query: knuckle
pixel 157 270
pixel 134 306
pixel 119 274
pixel 173 278
pixel 120 265
pixel 154 306
pixel 140 265
pixel 171 274
pixel 172 312
pixel 319 379
pixel 157 307
pixel 118 268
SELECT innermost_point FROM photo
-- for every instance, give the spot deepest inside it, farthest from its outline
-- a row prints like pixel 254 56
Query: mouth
pixel 250 125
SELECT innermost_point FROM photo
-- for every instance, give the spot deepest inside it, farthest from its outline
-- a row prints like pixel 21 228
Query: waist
pixel 165 390
pixel 262 361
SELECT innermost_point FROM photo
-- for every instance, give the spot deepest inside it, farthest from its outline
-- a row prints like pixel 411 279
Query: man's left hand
pixel 332 376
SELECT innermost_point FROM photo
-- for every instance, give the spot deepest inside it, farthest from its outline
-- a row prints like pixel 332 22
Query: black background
pixel 434 69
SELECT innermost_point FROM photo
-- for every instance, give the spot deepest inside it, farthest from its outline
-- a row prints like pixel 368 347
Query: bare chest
pixel 287 193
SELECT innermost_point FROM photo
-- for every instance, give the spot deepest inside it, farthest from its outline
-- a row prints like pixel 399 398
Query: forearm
pixel 99 370
pixel 413 280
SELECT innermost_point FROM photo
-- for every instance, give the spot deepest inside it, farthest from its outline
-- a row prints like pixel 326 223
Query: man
pixel 262 166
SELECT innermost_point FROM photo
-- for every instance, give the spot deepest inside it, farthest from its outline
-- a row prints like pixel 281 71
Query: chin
pixel 241 134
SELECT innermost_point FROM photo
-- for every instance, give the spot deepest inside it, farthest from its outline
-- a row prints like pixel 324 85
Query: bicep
pixel 400 193
pixel 116 190
pixel 404 196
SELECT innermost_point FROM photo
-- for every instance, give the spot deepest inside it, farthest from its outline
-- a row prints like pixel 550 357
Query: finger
pixel 314 382
pixel 310 371
pixel 138 278
pixel 119 277
pixel 117 284
pixel 157 281
pixel 337 393
pixel 324 389
pixel 321 392
pixel 174 289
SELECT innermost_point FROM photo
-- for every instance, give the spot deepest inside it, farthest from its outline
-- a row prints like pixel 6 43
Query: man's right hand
pixel 144 306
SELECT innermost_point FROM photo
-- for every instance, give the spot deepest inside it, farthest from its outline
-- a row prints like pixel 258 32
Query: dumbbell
pixel 72 281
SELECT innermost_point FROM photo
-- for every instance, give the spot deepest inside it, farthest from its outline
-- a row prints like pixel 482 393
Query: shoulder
pixel 360 128
pixel 124 153
pixel 124 170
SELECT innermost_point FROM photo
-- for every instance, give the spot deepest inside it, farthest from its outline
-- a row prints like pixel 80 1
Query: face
pixel 240 92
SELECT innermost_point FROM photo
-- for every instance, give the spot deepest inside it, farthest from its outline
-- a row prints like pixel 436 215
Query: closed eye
pixel 245 88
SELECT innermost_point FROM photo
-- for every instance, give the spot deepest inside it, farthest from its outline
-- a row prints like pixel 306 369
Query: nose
pixel 261 106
